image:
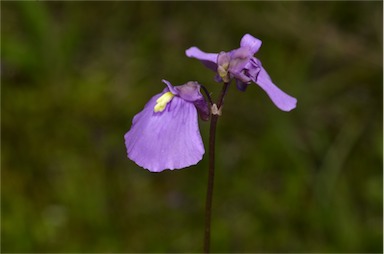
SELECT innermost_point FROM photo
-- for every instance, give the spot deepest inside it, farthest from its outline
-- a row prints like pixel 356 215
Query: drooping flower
pixel 165 134
pixel 241 65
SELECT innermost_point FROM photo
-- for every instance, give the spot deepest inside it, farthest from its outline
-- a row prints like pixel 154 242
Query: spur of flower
pixel 165 134
pixel 241 65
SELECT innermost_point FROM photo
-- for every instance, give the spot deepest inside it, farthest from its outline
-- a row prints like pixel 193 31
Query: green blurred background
pixel 75 73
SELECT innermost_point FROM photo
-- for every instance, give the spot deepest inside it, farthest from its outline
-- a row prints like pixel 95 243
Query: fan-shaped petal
pixel 165 140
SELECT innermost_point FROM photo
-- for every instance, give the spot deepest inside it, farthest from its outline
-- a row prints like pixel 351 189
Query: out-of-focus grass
pixel 75 73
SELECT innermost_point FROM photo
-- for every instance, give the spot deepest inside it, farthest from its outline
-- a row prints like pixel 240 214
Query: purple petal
pixel 239 62
pixel 241 85
pixel 190 91
pixel 251 42
pixel 203 109
pixel 165 140
pixel 217 78
pixel 282 100
pixel 170 87
pixel 208 59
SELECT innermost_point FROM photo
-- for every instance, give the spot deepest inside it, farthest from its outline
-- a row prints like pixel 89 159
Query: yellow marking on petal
pixel 162 102
pixel 222 71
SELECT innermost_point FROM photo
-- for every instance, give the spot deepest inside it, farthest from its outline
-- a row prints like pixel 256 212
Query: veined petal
pixel 208 59
pixel 282 100
pixel 251 42
pixel 165 140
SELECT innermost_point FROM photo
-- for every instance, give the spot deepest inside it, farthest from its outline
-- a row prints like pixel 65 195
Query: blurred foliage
pixel 75 73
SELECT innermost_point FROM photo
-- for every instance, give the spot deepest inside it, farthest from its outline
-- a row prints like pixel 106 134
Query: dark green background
pixel 75 73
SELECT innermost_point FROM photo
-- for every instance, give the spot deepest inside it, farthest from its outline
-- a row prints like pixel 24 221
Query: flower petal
pixel 190 91
pixel 165 140
pixel 282 100
pixel 208 59
pixel 251 42
pixel 203 109
pixel 241 85
pixel 170 87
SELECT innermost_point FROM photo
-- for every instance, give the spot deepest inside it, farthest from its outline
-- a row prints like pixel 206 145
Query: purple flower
pixel 165 134
pixel 241 65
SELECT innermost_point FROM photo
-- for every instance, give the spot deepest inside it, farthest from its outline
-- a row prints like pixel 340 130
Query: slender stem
pixel 211 172
pixel 211 175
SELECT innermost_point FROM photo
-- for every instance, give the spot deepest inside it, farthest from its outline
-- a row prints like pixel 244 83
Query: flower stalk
pixel 211 170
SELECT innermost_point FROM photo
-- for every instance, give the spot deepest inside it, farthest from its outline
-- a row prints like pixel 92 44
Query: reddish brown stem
pixel 211 172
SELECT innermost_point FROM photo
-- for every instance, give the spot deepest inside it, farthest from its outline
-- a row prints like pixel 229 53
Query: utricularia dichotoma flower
pixel 241 65
pixel 165 134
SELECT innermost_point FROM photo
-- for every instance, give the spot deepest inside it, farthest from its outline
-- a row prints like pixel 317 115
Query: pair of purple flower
pixel 165 134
